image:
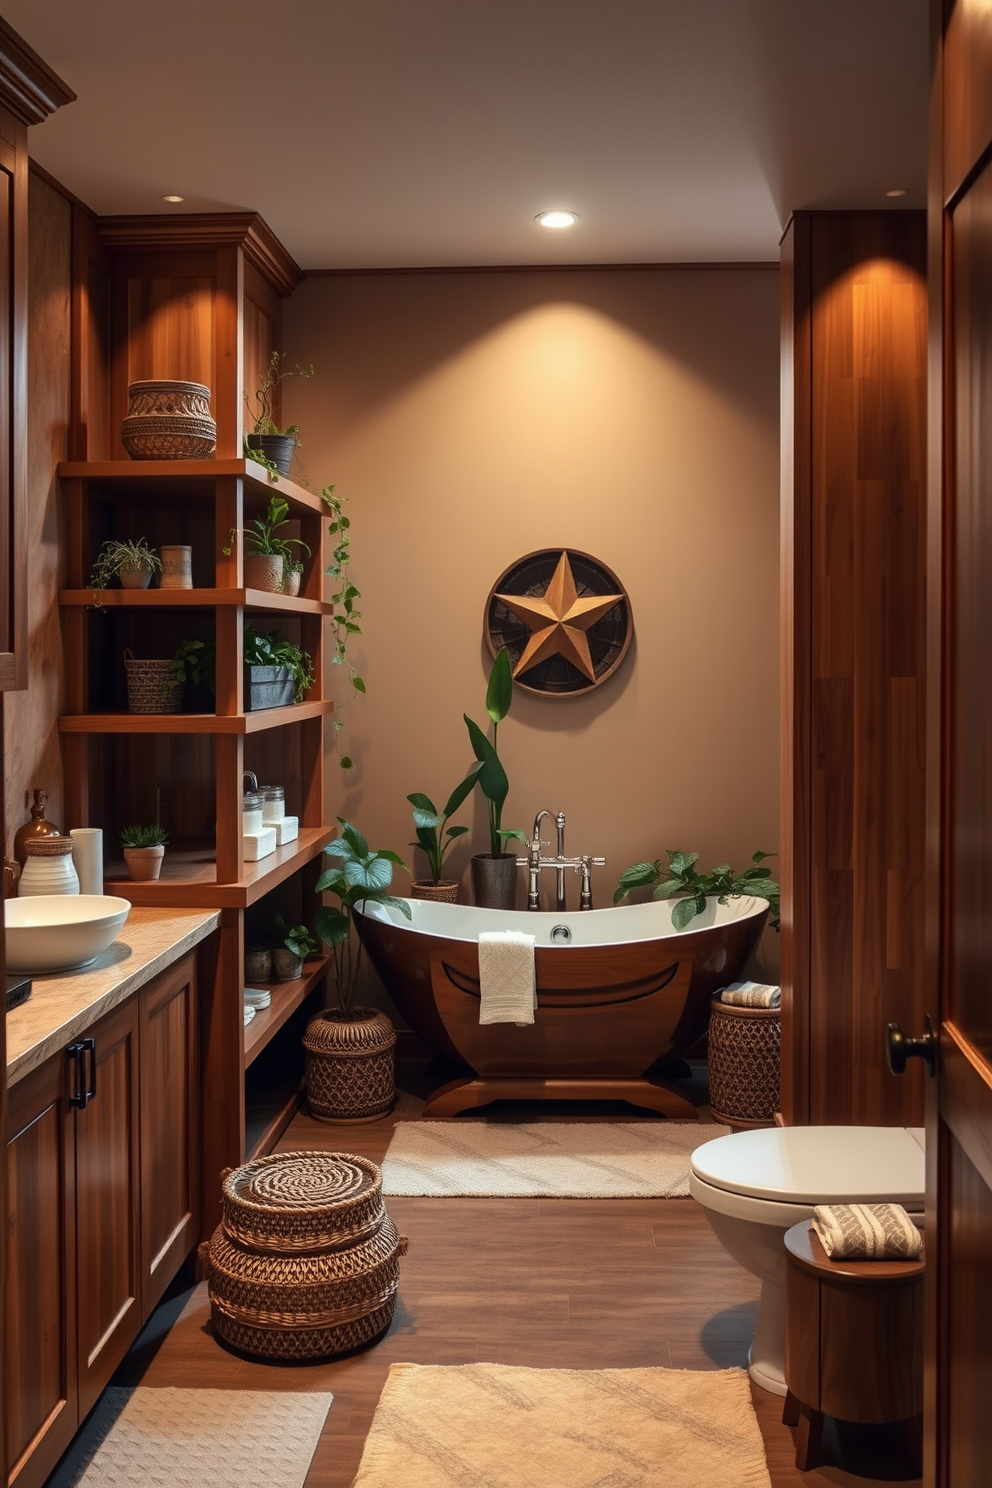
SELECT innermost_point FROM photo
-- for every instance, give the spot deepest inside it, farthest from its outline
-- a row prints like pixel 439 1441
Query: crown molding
pixel 28 86
pixel 247 230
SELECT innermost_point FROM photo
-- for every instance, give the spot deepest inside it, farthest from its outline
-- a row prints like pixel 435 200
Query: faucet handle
pixel 597 862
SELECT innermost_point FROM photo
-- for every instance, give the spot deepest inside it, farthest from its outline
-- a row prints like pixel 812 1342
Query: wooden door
pixel 959 1124
pixel 168 1022
pixel 107 1249
pixel 40 1342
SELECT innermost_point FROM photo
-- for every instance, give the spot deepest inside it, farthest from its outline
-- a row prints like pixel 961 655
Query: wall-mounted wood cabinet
pixel 102 1157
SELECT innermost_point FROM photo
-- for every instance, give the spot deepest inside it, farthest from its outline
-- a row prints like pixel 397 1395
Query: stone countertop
pixel 63 1005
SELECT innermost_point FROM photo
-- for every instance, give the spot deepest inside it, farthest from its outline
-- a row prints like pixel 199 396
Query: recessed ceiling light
pixel 556 219
pixel 174 198
pixel 899 191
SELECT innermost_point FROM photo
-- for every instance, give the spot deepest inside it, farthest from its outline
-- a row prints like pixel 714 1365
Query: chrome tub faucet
pixel 535 861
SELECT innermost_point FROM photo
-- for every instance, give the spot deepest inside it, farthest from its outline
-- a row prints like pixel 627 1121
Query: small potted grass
pixel 144 849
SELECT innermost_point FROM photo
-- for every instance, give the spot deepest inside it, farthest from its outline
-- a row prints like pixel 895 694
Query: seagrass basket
pixel 305 1264
pixel 443 892
pixel 168 420
pixel 744 1064
pixel 351 1071
pixel 152 686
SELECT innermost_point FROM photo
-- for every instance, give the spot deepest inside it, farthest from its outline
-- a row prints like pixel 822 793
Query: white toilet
pixel 754 1185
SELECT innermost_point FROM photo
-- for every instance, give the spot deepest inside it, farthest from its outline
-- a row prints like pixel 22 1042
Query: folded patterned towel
pixel 751 994
pixel 867 1232
pixel 507 981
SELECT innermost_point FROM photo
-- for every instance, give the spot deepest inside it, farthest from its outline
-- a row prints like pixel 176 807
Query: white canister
pixel 273 803
pixel 251 814
pixel 87 858
pixel 177 566
pixel 48 869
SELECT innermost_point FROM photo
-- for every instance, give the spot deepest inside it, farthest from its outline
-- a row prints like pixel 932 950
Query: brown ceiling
pixel 378 133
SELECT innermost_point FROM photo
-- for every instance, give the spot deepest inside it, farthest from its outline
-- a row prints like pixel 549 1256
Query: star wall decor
pixel 564 618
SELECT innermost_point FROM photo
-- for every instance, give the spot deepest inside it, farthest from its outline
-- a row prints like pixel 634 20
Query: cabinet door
pixel 169 1126
pixel 107 1261
pixel 40 1340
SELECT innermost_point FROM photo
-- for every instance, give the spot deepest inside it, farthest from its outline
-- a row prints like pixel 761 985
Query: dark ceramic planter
pixel 494 880
pixel 277 448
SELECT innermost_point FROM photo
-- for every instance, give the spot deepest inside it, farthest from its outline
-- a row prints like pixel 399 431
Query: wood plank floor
pixel 580 1284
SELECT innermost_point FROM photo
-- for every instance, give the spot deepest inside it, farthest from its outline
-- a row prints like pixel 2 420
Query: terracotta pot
pixel 445 891
pixel 264 571
pixel 350 1066
pixel 287 966
pixel 144 863
pixel 494 880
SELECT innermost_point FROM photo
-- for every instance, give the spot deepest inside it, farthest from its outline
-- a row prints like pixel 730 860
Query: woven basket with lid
pixel 306 1261
pixel 351 1067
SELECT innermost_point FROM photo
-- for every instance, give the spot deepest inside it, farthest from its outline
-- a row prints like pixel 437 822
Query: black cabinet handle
pixel 77 1092
pixel 89 1046
pixel 899 1048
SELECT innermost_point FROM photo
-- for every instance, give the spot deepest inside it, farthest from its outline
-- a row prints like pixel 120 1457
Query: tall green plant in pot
pixel 494 874
pixel 435 839
pixel 349 1049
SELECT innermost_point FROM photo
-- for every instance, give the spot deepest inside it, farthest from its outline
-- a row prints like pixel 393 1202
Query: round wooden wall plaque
pixel 565 619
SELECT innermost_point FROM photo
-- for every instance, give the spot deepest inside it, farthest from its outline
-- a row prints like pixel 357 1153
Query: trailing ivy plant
pixel 680 877
pixel 344 616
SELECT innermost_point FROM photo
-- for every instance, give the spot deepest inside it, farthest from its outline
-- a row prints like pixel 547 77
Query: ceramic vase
pixel 49 868
pixel 177 566
pixel 287 966
pixel 258 963
pixel 264 571
pixel 494 880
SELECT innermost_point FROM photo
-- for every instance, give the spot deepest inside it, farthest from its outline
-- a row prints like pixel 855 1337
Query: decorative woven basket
pixel 445 892
pixel 306 1261
pixel 152 686
pixel 744 1063
pixel 168 420
pixel 350 1066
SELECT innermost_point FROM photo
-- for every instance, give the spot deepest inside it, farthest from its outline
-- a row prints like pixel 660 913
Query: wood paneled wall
pixel 854 566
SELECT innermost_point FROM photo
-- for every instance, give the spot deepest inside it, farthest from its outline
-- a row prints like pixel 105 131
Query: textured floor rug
pixel 203 1438
pixel 576 1160
pixel 496 1426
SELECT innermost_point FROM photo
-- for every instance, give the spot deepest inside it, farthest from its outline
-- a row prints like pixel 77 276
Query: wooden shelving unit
pixel 286 998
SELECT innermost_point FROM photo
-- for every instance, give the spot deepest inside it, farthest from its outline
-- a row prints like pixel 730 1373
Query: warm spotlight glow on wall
pixel 897 191
pixel 174 198
pixel 556 219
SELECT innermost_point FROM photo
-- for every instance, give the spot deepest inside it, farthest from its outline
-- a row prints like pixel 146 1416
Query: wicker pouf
pixel 745 1064
pixel 305 1263
pixel 351 1066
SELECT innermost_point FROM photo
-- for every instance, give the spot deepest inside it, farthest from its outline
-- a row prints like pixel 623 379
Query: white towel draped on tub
pixel 507 982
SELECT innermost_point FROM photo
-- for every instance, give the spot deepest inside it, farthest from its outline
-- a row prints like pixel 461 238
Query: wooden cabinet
pixel 102 1158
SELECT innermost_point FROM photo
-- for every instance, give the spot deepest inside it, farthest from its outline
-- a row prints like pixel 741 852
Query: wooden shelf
pixel 286 998
pixel 187 599
pixel 154 480
pixel 189 875
pixel 265 1121
pixel 193 723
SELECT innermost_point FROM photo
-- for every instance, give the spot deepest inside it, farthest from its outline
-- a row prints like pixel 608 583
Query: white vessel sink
pixel 59 932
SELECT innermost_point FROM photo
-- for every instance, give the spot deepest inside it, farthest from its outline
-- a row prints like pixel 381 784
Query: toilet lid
pixel 817 1164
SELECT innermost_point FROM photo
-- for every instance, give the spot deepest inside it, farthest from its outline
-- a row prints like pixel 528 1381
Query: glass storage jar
pixel 273 802
pixel 251 814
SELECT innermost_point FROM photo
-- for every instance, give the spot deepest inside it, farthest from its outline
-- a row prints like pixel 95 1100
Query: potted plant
pixel 494 874
pixel 265 441
pixel 144 849
pixel 294 944
pixel 265 551
pixel 681 878
pixel 292 574
pixel 435 838
pixel 349 1049
pixel 132 563
pixel 277 672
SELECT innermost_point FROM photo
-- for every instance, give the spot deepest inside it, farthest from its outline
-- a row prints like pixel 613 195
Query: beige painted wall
pixel 471 418
pixel 31 740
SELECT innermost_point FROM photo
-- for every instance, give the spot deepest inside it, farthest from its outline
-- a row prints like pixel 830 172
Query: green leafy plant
pixel 260 403
pixel 261 534
pixel 195 661
pixel 434 835
pixel 490 775
pixel 115 555
pixel 296 938
pixel 144 836
pixel 358 875
pixel 680 877
pixel 268 650
pixel 344 616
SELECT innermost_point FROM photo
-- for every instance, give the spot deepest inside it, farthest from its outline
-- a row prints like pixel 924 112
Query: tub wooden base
pixel 467 1094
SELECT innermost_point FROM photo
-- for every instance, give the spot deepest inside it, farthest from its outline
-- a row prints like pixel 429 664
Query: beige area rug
pixel 576 1160
pixel 203 1438
pixel 494 1426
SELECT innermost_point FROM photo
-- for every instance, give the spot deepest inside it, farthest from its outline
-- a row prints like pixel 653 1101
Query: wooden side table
pixel 853 1341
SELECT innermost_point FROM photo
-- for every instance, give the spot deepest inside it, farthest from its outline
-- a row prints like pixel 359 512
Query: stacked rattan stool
pixel 305 1263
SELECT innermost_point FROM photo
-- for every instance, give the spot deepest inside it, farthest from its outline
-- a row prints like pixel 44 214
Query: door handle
pixel 89 1047
pixel 899 1048
pixel 77 1091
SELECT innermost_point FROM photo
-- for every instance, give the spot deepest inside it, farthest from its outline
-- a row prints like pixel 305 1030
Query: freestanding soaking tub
pixel 617 990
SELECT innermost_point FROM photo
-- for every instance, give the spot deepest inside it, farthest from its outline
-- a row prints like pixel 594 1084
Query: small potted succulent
pixel 144 849
pixel 265 441
pixel 435 838
pixel 294 944
pixel 131 563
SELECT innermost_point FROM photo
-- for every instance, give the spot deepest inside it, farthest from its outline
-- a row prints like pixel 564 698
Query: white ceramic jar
pixel 49 868
pixel 273 802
